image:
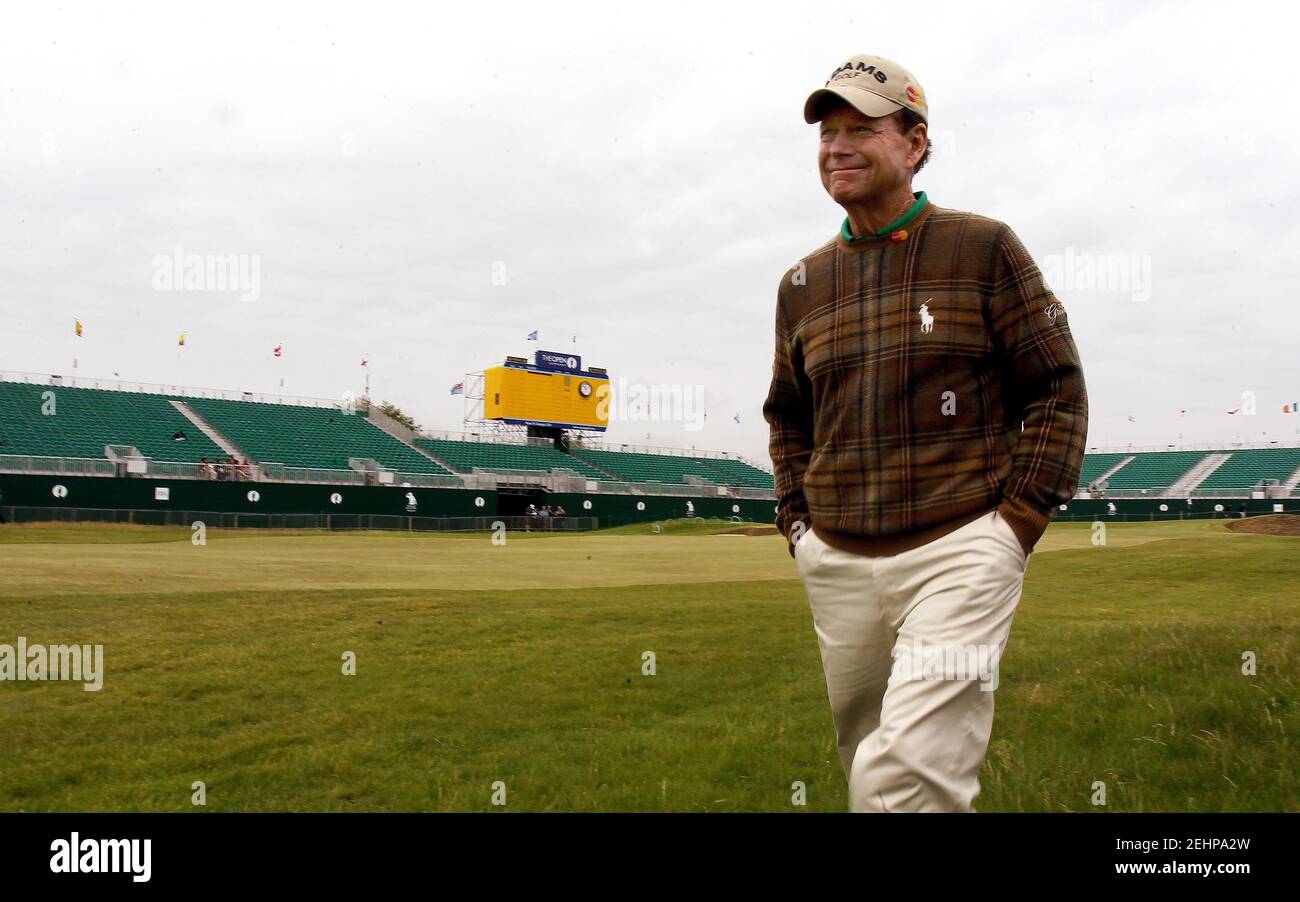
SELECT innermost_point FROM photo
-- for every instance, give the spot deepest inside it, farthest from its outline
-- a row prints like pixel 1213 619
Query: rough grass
pixel 523 663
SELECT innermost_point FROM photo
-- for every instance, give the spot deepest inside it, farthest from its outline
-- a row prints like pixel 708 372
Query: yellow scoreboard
pixel 555 391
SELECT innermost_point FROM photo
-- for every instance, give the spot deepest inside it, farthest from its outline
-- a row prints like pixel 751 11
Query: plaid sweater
pixel 905 366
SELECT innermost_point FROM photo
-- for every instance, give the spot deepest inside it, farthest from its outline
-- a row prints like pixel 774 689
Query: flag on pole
pixel 532 336
pixel 276 352
pixel 181 340
pixel 78 328
pixel 458 388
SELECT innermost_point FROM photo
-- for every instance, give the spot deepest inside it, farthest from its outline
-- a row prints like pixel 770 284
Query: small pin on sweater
pixel 900 235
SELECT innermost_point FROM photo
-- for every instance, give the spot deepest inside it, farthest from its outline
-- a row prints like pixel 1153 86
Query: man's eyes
pixel 856 128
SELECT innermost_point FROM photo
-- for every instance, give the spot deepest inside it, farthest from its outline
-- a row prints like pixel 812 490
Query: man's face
pixel 862 159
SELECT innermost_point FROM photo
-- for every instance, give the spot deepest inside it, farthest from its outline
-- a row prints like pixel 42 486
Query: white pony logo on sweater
pixel 927 320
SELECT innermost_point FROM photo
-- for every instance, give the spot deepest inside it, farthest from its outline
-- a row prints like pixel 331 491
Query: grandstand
pixel 1239 472
pixel 633 466
pixel 129 433
pixel 1247 469
pixel 134 432
pixel 309 437
pixel 57 421
pixel 467 457
pixel 1096 466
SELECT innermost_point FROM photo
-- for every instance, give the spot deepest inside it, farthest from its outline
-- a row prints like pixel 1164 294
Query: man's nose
pixel 839 146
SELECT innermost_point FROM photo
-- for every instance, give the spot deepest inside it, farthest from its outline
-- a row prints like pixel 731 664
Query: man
pixel 927 412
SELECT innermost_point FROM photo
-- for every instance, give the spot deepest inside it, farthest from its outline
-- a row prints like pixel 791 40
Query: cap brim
pixel 864 102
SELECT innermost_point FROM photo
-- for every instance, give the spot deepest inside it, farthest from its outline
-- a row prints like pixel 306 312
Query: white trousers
pixel 909 645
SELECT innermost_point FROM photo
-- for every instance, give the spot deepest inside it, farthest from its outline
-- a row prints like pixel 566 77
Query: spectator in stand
pixel 205 469
pixel 246 470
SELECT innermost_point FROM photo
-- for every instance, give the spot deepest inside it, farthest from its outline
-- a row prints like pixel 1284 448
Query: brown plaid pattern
pixel 887 419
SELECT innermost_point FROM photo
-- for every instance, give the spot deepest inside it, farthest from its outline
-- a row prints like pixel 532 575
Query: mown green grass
pixel 523 664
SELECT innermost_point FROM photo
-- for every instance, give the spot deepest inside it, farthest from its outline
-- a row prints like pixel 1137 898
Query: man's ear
pixel 918 140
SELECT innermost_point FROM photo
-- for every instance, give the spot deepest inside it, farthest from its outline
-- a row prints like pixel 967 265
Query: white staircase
pixel 1112 470
pixel 1197 474
pixel 210 431
pixel 403 434
pixel 1289 486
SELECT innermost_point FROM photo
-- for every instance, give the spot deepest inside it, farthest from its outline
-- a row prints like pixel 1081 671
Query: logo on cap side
pixel 915 96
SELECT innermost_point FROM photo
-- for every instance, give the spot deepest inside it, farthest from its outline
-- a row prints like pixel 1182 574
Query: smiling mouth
pixel 854 169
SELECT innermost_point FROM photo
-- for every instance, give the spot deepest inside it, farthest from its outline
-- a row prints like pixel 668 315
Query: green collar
pixel 894 226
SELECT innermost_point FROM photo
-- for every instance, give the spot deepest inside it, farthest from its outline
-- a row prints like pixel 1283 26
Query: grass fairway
pixel 522 663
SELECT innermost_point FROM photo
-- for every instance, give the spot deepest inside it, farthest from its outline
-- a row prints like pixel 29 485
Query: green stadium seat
pixel 1245 469
pixel 87 419
pixel 313 437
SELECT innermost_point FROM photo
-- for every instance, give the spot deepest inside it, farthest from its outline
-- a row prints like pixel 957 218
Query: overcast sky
pixel 645 176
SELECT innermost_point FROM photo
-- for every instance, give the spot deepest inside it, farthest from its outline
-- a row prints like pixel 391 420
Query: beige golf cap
pixel 873 85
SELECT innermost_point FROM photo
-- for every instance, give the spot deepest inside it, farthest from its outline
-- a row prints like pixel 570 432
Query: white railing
pixel 159 388
pixel 59 466
pixel 514 438
pixel 1164 493
pixel 554 480
pixel 1220 446
pixel 660 450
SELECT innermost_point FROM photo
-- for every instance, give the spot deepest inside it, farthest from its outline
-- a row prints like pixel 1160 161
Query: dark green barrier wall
pixel 194 495
pixel 657 507
pixel 1175 508
pixel 138 494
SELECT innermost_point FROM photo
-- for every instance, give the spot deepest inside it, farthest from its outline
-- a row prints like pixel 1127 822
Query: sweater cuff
pixel 1027 522
pixel 793 508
